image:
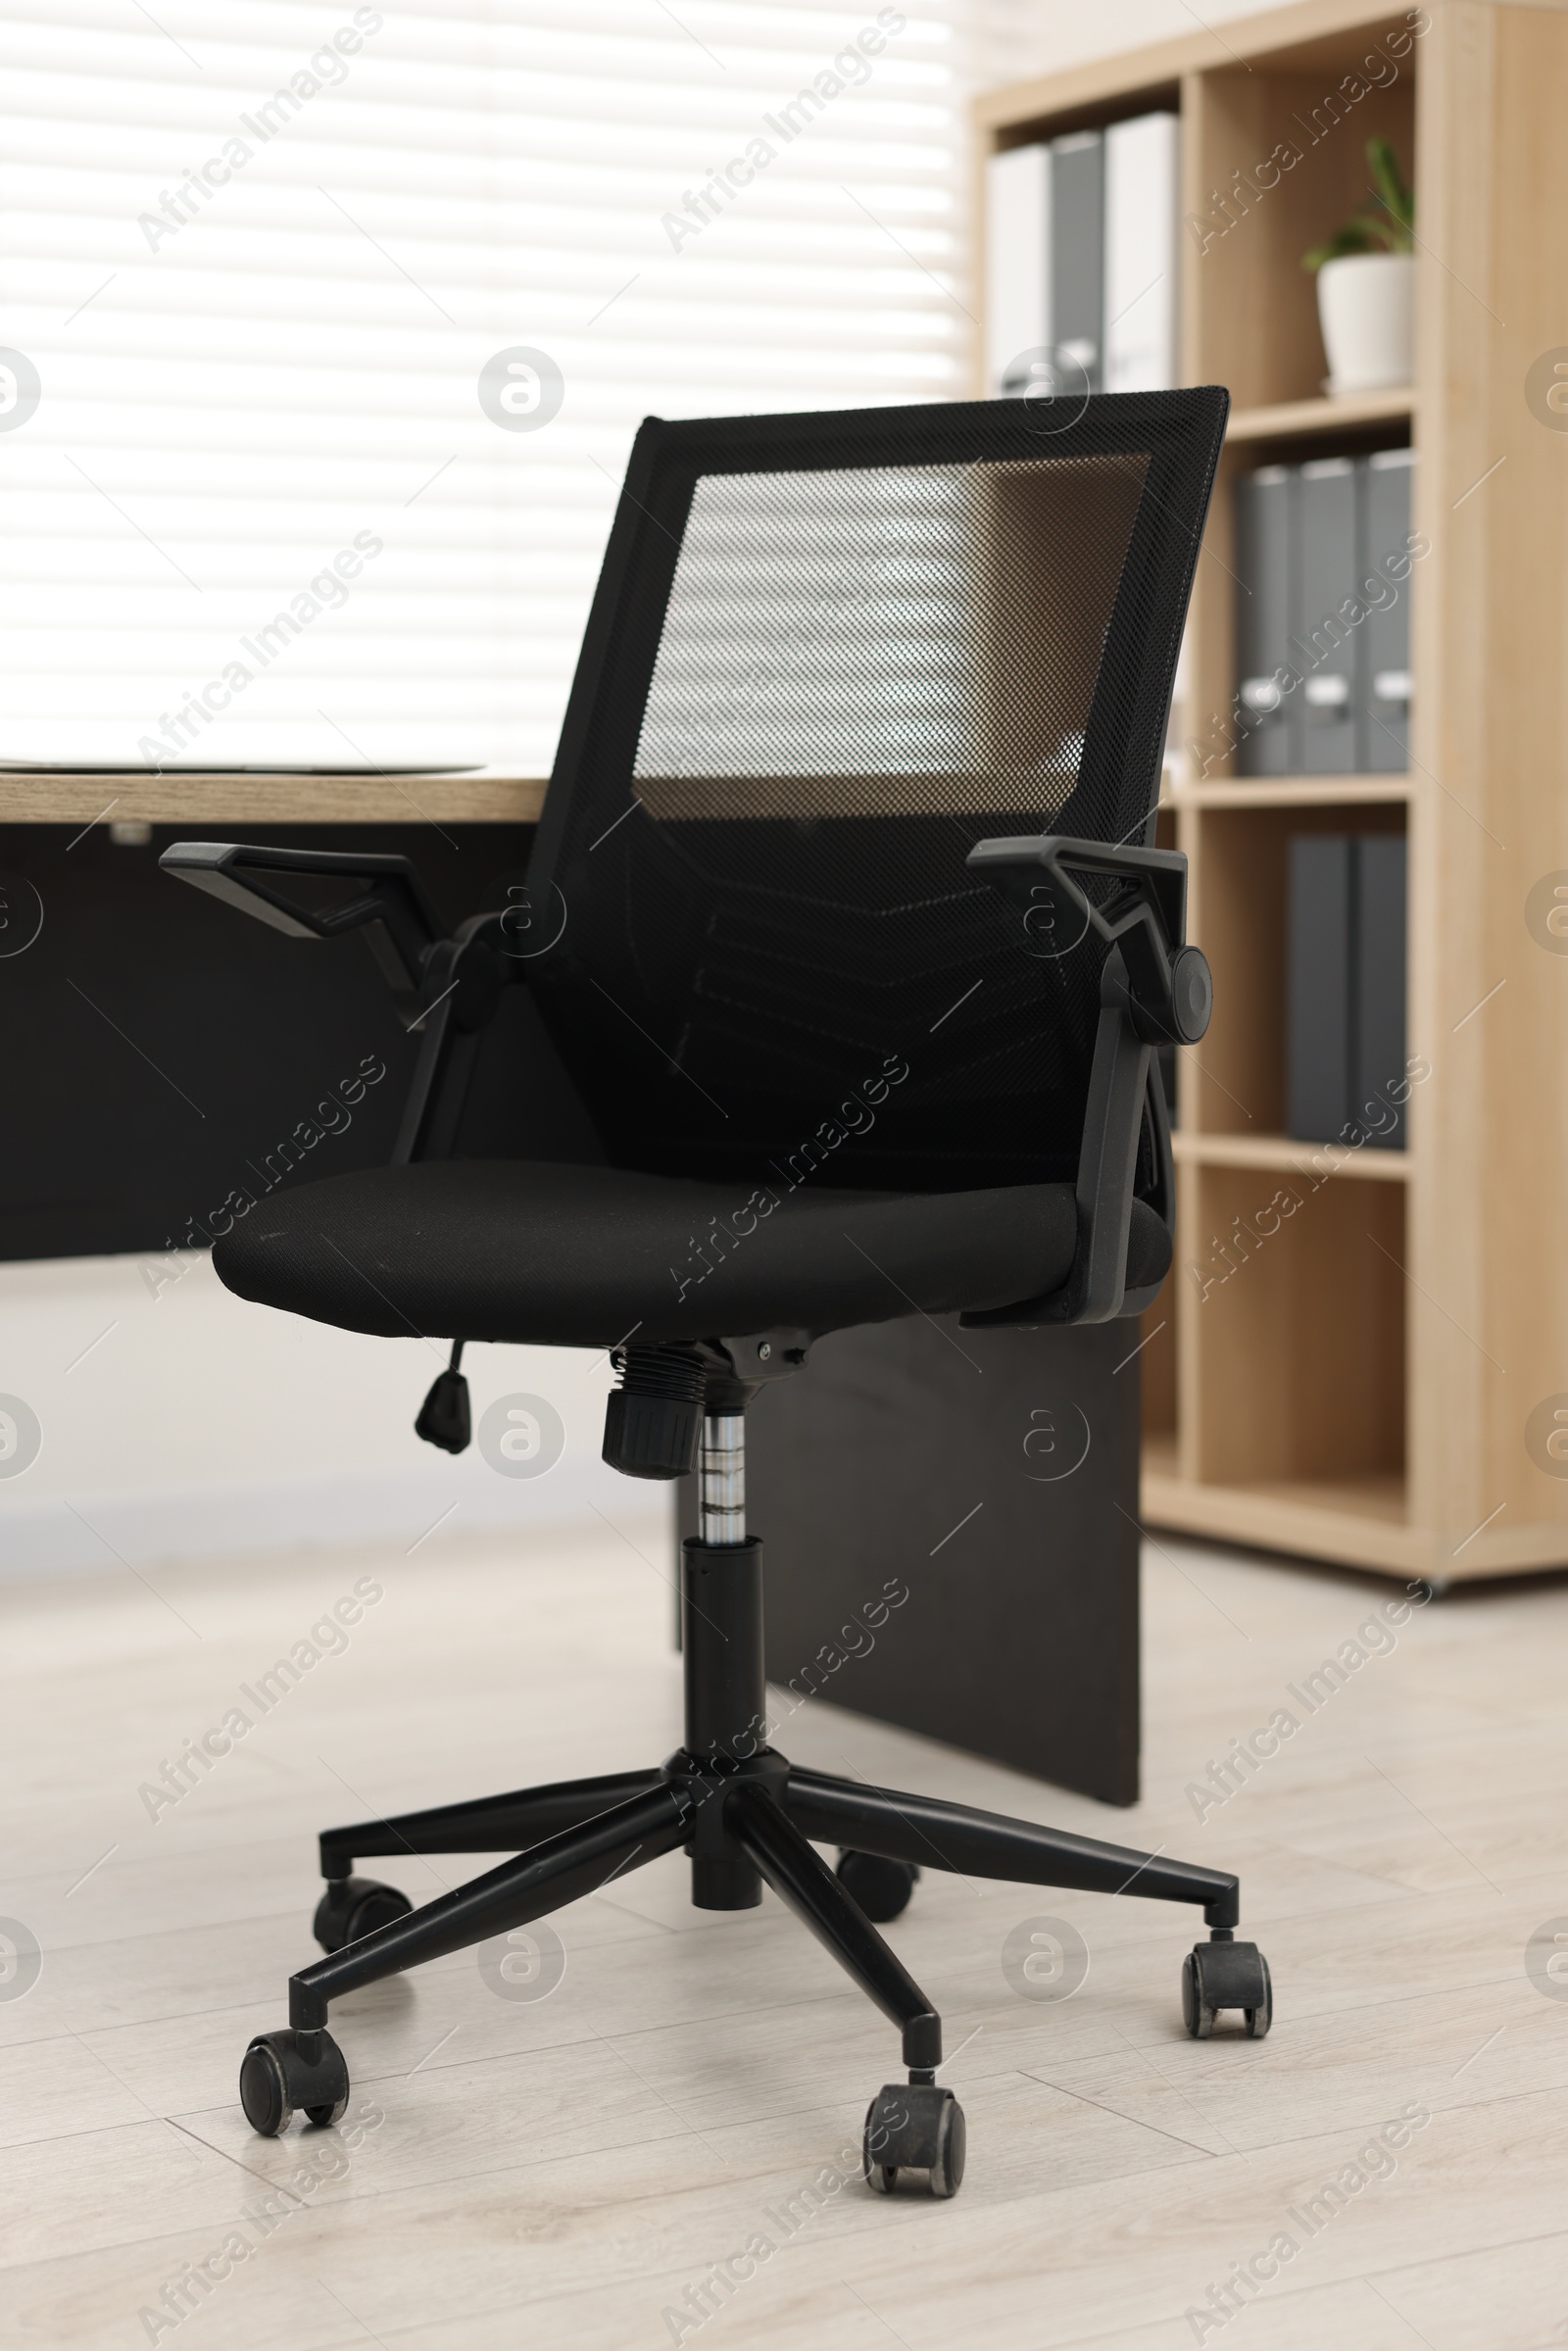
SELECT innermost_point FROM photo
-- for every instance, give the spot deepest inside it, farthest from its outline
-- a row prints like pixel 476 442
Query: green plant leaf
pixel 1353 237
pixel 1389 182
pixel 1386 228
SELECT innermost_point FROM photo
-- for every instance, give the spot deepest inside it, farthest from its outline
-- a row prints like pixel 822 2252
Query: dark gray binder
pixel 1384 529
pixel 1320 947
pixel 1268 722
pixel 1078 256
pixel 1378 1023
pixel 1328 647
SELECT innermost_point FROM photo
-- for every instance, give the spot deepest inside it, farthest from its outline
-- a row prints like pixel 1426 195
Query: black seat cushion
pixel 560 1255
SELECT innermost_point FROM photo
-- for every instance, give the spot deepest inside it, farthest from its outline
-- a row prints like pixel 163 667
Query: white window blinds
pixel 325 330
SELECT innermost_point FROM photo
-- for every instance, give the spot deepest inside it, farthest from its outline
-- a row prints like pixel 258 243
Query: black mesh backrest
pixel 828 654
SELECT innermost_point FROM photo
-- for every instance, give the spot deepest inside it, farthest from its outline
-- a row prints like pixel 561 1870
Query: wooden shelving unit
pixel 1356 1381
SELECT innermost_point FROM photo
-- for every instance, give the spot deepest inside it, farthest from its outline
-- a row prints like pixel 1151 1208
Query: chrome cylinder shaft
pixel 721 1505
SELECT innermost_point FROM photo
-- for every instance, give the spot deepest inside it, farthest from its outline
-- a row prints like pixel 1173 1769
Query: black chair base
pixel 745 1816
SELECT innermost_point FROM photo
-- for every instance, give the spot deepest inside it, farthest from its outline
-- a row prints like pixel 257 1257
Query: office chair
pixel 845 922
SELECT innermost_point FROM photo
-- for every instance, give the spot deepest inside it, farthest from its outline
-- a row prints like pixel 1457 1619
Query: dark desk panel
pixel 993 1476
pixel 163 1050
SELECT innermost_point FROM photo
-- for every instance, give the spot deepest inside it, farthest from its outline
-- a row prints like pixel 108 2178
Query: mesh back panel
pixel 829 655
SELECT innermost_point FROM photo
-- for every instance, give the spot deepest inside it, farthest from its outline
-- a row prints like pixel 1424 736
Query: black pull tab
pixel 444 1416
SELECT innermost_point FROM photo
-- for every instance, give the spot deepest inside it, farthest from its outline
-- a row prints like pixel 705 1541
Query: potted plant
pixel 1366 284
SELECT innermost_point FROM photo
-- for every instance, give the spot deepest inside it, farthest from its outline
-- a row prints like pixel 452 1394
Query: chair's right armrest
pixel 1153 990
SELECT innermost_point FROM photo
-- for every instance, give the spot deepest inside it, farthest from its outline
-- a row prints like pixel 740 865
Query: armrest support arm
pixel 1154 989
pixel 463 986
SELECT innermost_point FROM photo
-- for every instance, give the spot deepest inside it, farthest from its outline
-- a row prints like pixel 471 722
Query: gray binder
pixel 1318 992
pixel 1268 715
pixel 1328 647
pixel 1078 255
pixel 1378 1024
pixel 1385 528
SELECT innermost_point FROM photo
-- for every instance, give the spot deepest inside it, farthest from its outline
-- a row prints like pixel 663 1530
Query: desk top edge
pixel 199 799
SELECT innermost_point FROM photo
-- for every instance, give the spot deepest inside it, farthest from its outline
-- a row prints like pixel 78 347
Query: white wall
pixel 177 1420
pixel 1024 37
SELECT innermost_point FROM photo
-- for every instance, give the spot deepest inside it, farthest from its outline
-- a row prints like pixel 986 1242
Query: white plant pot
pixel 1366 308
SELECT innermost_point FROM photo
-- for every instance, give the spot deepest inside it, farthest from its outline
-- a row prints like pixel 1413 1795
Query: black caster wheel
pixel 912 2128
pixel 279 2079
pixel 881 1888
pixel 1226 1975
pixel 356 1906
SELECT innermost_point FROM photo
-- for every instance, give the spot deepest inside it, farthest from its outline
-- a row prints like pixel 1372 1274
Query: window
pixel 329 326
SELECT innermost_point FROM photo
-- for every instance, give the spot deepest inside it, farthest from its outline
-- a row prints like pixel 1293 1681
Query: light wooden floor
pixel 560 2174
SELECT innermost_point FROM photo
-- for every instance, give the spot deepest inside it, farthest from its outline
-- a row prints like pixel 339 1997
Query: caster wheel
pixel 1196 2014
pixel 1259 2019
pixel 278 2079
pixel 915 2128
pixel 881 1888
pixel 355 1907
pixel 1226 1975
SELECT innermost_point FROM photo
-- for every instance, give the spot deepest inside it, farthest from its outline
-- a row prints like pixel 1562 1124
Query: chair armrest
pixel 1170 989
pixel 446 988
pixel 463 986
pixel 1154 989
pixel 406 924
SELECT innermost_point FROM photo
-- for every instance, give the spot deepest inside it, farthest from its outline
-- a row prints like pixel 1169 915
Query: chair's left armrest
pixel 446 988
pixel 400 924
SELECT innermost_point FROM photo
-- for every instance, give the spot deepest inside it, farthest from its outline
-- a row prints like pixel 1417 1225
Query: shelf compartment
pixel 1210 716
pixel 1298 1313
pixel 1234 1082
pixel 1251 308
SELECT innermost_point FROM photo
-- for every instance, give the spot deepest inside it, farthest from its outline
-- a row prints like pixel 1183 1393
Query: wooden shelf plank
pixel 1130 73
pixel 1358 1522
pixel 1294 417
pixel 1287 1152
pixel 1290 792
pixel 208 800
